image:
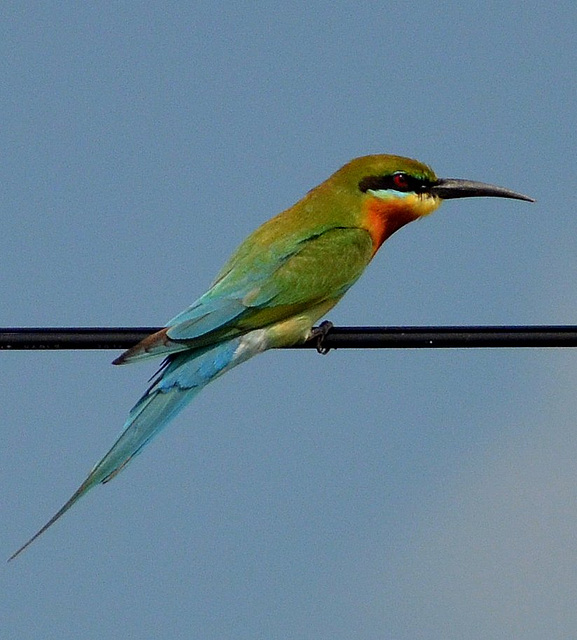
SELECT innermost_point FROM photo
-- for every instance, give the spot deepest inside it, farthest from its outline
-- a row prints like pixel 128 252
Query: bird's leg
pixel 319 334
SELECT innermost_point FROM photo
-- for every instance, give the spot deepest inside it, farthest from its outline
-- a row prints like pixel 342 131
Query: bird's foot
pixel 319 334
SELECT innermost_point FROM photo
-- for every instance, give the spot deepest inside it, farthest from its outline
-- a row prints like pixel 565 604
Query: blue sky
pixel 366 494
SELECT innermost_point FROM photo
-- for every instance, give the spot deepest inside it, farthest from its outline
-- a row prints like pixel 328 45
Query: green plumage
pixel 280 281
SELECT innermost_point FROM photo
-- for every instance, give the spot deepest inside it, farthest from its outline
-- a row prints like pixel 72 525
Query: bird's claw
pixel 319 334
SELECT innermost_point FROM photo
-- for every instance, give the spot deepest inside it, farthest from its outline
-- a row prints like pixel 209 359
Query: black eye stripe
pixel 382 183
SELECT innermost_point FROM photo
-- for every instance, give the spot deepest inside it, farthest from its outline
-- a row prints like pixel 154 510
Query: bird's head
pixel 394 191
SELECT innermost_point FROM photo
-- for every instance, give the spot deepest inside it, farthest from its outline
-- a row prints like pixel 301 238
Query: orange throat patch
pixel 383 217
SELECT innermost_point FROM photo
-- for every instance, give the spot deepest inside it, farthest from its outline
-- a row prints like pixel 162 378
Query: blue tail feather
pixel 177 383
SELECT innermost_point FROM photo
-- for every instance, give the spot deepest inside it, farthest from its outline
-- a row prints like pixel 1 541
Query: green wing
pixel 260 286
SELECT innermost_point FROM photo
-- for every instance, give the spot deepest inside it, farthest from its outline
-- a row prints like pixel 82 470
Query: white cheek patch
pixel 421 203
pixel 387 194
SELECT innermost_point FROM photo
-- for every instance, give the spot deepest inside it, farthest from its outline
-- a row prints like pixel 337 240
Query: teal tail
pixel 180 378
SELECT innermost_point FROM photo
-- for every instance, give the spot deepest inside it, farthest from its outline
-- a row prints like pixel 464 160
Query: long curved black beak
pixel 447 188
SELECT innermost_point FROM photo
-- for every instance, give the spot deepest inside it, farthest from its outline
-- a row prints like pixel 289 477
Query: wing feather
pixel 263 287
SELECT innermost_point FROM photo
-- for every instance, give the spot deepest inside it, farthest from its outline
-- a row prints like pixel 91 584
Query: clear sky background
pixel 366 494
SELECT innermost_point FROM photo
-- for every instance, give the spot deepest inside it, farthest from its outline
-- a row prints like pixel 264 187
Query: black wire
pixel 337 337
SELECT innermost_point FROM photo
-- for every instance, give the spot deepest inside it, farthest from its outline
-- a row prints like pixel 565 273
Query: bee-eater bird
pixel 282 279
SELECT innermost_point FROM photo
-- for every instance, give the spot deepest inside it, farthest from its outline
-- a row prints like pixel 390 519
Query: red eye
pixel 401 181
